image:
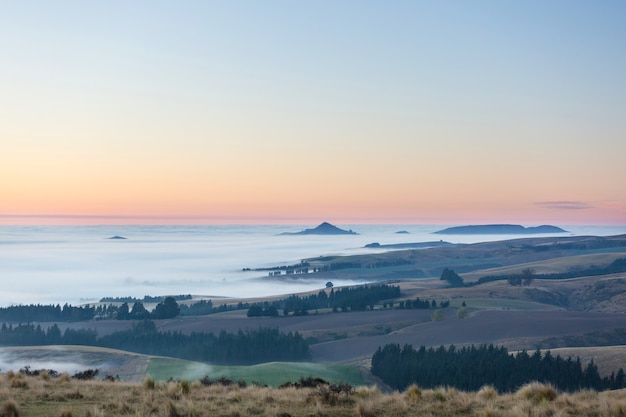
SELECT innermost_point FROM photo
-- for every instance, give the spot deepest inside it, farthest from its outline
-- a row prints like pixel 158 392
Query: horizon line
pixel 260 220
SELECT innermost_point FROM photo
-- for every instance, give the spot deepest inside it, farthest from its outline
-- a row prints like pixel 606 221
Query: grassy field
pixel 135 367
pixel 272 374
pixel 39 396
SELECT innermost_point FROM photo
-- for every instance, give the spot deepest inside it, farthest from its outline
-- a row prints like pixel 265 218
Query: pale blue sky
pixel 524 101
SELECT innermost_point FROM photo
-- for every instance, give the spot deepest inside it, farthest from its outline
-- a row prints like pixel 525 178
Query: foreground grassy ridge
pixel 64 397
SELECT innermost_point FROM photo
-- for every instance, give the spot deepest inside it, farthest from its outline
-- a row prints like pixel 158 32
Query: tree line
pixel 343 299
pixel 166 308
pixel 37 312
pixel 145 299
pixel 470 368
pixel 241 348
pixel 357 298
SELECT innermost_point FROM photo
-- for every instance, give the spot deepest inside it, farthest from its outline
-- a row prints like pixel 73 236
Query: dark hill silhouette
pixel 116 237
pixel 323 229
pixel 495 229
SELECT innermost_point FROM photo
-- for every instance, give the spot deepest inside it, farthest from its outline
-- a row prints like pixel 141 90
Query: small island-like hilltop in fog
pixel 323 229
pixel 495 229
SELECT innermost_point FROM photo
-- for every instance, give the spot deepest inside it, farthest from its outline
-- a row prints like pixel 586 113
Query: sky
pixel 235 112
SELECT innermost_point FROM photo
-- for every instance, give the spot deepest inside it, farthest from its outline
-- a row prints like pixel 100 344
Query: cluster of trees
pixel 452 278
pixel 523 278
pixel 241 348
pixel 38 312
pixel 345 299
pixel 470 368
pixel 166 308
pixel 419 304
pixel 145 299
pixel 205 307
pixel 266 310
pixel 31 335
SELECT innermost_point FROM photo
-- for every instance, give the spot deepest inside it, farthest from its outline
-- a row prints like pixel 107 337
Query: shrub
pixel 438 315
pixel 86 375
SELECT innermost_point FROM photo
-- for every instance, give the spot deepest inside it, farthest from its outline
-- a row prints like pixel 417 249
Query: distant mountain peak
pixel 323 229
pixel 494 229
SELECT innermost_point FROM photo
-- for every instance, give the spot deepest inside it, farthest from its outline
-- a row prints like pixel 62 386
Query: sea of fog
pixel 80 264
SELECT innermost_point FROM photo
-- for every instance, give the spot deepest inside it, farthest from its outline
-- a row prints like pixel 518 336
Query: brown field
pixel 65 397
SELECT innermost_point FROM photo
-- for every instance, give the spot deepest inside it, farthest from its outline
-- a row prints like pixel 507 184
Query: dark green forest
pixel 241 348
pixel 471 368
pixel 344 299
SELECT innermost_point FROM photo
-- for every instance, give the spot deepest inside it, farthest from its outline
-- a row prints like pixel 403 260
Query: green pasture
pixel 272 374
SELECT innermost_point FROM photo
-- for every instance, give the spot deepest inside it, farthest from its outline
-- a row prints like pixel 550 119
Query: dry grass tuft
pixel 95 412
pixel 19 383
pixel 367 392
pixel 487 393
pixel 366 407
pixel 66 412
pixel 9 409
pixel 537 392
pixel 185 387
pixel 148 383
pixel 64 378
pixel 413 394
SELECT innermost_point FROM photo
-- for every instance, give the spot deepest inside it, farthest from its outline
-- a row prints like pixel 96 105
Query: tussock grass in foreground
pixel 73 398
